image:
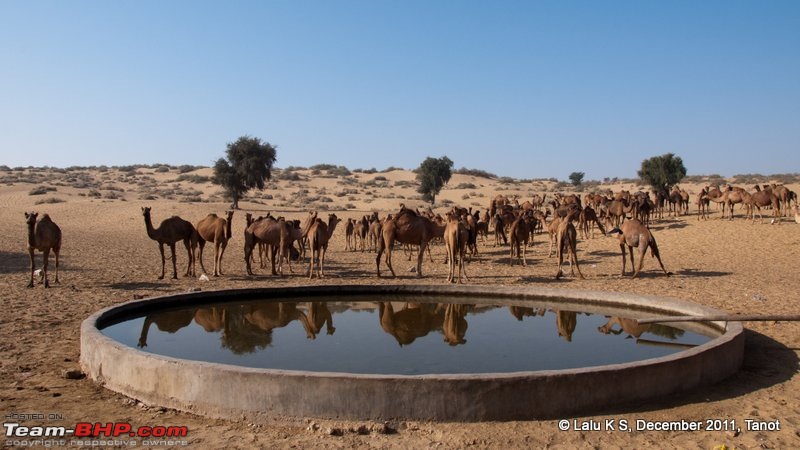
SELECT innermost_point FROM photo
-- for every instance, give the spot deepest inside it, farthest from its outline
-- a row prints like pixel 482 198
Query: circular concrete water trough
pixel 233 392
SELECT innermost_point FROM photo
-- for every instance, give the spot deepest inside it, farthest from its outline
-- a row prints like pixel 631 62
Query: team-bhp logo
pixel 87 429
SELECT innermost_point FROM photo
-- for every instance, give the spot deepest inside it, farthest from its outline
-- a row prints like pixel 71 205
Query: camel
pixel 455 241
pixel 375 226
pixel 520 234
pixel 406 227
pixel 796 210
pixel 274 233
pixel 588 218
pixel 617 211
pixel 318 236
pixel 43 235
pixel 360 230
pixel 267 316
pixel 499 230
pixel 217 230
pixel 632 234
pixel 169 232
pixel 567 241
pixel 702 204
pixel 630 326
pixel 348 235
pixel 759 199
pixel 729 198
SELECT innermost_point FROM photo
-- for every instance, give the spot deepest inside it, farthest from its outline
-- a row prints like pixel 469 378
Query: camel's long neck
pixel 151 232
pixel 31 234
pixel 145 329
pixel 331 226
pixel 228 228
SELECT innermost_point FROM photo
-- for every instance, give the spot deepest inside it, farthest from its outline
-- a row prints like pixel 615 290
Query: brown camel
pixel 520 234
pixel 760 199
pixel 360 230
pixel 375 226
pixel 632 234
pixel 617 211
pixel 454 326
pixel 318 236
pixel 319 315
pixel 167 321
pixel 567 241
pixel 630 326
pixel 43 235
pixel 702 204
pixel 455 241
pixel 406 227
pixel 349 227
pixel 169 232
pixel 267 316
pixel 217 230
pixel 274 233
pixel 588 219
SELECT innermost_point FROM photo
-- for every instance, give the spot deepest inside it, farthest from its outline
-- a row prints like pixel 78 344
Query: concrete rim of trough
pixel 235 392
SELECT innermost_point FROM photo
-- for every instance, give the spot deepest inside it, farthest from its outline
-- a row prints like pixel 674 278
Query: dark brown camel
pixel 43 235
pixel 169 232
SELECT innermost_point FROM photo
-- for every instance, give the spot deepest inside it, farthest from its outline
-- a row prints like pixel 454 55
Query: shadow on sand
pixel 767 362
pixel 701 273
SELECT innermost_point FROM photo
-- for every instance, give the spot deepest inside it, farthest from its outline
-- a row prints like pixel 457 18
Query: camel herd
pixel 624 213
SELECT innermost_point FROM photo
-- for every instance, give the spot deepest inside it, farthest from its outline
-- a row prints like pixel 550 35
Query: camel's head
pixel 30 218
pixel 146 211
pixel 332 219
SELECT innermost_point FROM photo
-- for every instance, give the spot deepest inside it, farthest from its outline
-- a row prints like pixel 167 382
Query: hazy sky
pixel 526 89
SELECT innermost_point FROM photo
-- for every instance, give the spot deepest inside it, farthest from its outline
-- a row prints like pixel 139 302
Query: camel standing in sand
pixel 567 241
pixel 586 220
pixel 760 199
pixel 406 227
pixel 455 240
pixel 43 236
pixel 520 234
pixel 274 233
pixel 348 234
pixel 213 228
pixel 318 236
pixel 632 234
pixel 169 232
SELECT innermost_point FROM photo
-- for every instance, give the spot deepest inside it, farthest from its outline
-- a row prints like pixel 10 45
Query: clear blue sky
pixel 526 89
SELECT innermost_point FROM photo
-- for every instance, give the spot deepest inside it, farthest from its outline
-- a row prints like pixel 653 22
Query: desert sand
pixel 107 259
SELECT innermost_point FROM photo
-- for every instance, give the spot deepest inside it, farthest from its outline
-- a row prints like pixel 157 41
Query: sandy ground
pixel 108 259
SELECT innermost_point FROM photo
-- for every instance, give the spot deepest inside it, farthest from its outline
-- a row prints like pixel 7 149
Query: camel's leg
pixel 33 266
pixel 190 264
pixel 462 267
pixel 202 244
pixel 57 252
pixel 389 259
pixel 622 248
pixel 174 262
pixel 633 263
pixel 322 259
pixel 420 257
pixel 574 255
pixel 223 246
pixel 45 263
pixel 161 249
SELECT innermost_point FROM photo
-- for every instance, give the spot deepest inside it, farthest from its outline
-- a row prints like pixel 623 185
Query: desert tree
pixel 662 172
pixel 247 165
pixel 576 178
pixel 432 174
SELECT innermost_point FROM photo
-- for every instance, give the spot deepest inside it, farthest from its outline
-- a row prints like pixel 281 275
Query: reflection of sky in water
pixel 495 342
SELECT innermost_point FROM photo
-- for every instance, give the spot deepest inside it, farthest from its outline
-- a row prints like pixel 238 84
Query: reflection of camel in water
pixel 455 325
pixel 520 312
pixel 168 322
pixel 319 314
pixel 413 321
pixel 268 315
pixel 211 319
pixel 634 329
pixel 566 321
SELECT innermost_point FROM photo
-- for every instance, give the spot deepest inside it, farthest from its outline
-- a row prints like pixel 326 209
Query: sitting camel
pixel 43 236
pixel 214 229
pixel 318 236
pixel 632 234
pixel 567 241
pixel 169 232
